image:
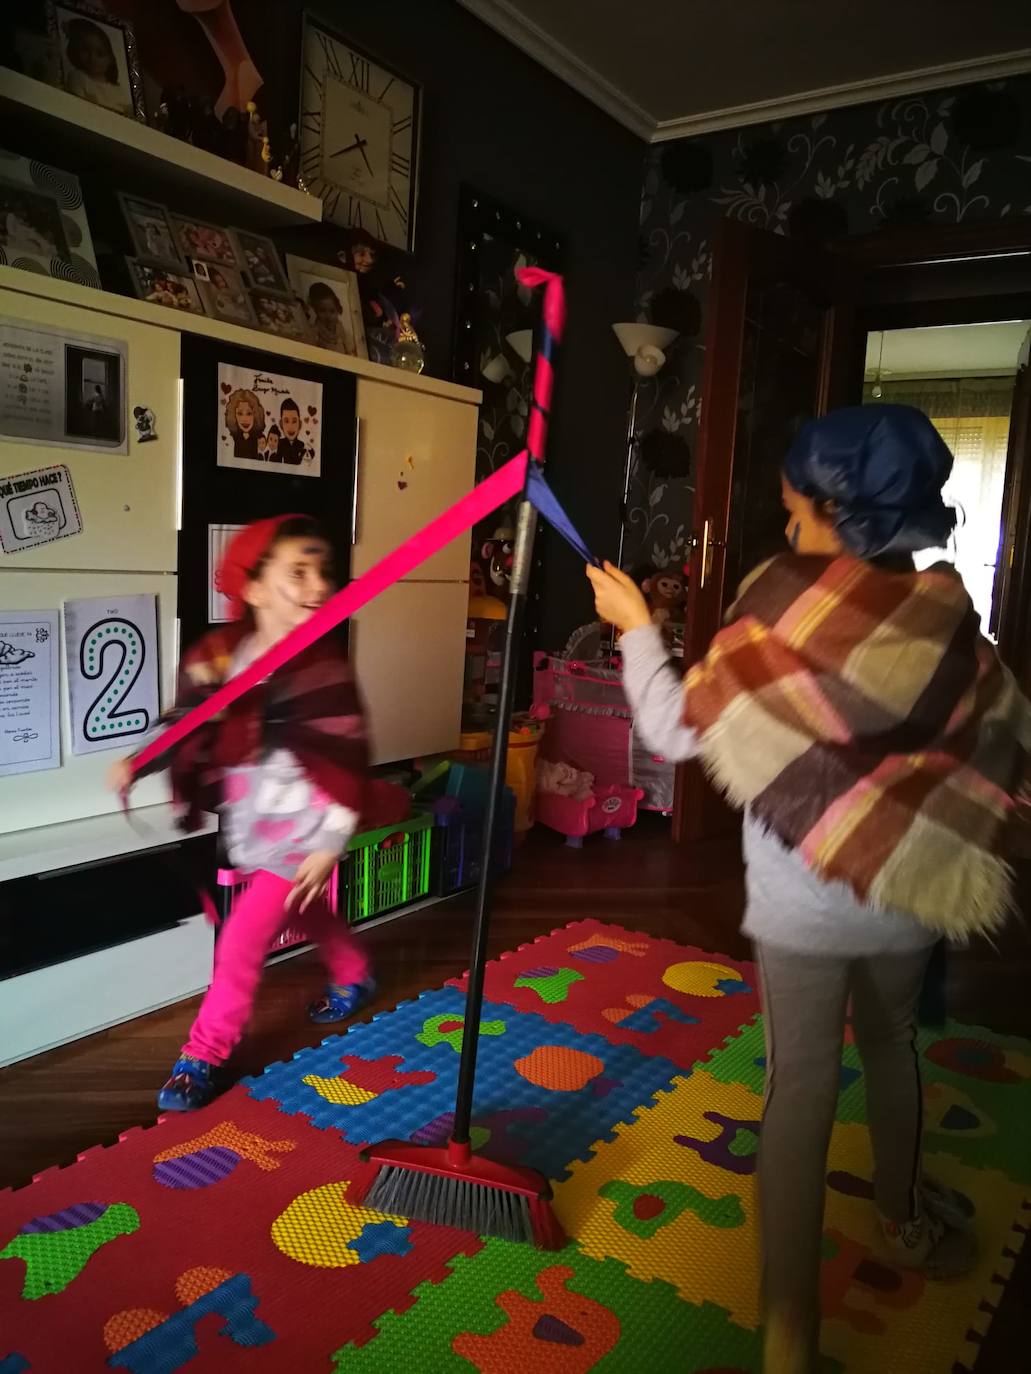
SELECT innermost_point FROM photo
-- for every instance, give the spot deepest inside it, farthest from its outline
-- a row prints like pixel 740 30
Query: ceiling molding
pixel 505 18
pixel 853 93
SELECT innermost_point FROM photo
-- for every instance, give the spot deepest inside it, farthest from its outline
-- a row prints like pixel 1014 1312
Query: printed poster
pixel 63 388
pixel 37 508
pixel 218 537
pixel 268 422
pixel 30 738
pixel 111 649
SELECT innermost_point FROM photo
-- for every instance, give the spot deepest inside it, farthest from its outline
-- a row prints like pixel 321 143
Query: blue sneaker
pixel 341 1000
pixel 188 1088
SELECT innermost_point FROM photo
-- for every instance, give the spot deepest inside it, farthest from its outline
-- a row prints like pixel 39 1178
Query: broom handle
pixel 519 585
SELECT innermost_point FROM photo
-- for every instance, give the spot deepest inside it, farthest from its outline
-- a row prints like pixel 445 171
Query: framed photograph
pixel 150 228
pixel 161 286
pixel 62 388
pixel 208 242
pixel 43 225
pixel 259 258
pixel 282 315
pixel 94 395
pixel 98 59
pixel 330 296
pixel 268 422
pixel 223 293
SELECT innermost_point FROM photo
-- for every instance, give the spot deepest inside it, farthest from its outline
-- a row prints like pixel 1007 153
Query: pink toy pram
pixel 611 808
pixel 591 727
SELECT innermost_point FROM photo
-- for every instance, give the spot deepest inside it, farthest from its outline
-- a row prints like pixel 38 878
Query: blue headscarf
pixel 883 468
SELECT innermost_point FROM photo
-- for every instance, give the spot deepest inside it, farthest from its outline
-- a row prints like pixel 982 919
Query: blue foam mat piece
pixel 576 1120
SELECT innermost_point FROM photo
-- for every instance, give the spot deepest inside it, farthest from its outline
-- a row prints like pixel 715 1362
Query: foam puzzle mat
pixel 628 1069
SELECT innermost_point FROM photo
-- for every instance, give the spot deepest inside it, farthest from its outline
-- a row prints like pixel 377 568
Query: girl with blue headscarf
pixel 853 710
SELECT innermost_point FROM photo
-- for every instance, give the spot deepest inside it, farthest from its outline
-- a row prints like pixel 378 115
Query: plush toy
pixel 497 555
pixel 666 592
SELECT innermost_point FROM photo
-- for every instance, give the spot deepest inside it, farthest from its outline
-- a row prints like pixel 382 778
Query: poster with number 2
pixel 111 647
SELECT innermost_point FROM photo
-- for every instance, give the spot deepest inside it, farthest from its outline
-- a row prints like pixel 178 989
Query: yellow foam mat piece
pixel 876 1317
pixel 705 1263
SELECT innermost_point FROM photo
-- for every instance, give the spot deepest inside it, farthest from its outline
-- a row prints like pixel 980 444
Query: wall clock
pixel 359 134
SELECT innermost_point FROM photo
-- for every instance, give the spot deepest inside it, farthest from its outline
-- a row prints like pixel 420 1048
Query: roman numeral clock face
pixel 358 139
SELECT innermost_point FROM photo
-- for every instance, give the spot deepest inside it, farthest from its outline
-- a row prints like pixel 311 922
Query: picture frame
pixel 163 286
pixel 97 57
pixel 223 294
pixel 31 189
pixel 150 229
pixel 333 304
pixel 196 238
pixel 258 258
pixel 280 314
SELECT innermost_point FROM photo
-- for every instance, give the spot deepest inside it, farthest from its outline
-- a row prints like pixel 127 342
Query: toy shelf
pixel 130 148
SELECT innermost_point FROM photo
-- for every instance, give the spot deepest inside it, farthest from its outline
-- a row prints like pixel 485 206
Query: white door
pixel 416 457
pixel 408 650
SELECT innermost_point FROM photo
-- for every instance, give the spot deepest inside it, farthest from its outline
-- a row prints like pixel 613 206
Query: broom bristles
pixel 485 1208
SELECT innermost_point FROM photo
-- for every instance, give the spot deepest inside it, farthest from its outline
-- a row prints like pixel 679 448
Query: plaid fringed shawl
pixel 311 707
pixel 863 718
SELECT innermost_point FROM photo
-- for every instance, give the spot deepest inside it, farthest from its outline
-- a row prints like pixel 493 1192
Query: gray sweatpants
pixel 805 999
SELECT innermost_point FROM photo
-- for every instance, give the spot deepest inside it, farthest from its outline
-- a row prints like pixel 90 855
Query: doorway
pixel 962 377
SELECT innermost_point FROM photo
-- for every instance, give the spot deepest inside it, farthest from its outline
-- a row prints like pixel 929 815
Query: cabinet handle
pixel 355 456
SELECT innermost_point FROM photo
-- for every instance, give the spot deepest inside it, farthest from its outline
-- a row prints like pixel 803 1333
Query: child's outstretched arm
pixel 653 687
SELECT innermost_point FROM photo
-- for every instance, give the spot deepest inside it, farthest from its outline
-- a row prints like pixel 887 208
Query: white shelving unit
pixel 128 146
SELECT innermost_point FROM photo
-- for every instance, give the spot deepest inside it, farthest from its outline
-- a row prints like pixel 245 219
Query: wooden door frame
pixel 934 274
pixel 743 255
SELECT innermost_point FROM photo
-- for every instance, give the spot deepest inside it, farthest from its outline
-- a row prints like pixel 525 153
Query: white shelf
pixel 129 308
pixel 127 145
pixel 49 847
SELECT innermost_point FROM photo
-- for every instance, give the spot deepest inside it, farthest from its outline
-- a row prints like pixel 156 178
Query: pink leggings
pixel 259 914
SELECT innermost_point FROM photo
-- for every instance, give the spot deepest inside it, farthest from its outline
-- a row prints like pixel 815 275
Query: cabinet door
pixel 408 650
pixel 127 501
pixel 416 457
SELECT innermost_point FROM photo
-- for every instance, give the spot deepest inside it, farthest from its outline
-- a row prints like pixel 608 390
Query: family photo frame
pixel 97 57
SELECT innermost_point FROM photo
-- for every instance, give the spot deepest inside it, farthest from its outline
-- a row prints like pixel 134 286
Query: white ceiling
pixel 674 67
pixel 977 349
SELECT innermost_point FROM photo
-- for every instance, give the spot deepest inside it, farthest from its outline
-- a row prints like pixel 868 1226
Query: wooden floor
pixel 58 1104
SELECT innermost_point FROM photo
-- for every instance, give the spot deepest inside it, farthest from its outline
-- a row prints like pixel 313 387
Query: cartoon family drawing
pixel 260 438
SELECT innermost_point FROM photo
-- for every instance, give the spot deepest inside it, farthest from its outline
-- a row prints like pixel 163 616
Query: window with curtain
pixel 972 414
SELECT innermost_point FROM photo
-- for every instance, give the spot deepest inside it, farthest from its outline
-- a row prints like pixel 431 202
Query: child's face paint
pixel 295 581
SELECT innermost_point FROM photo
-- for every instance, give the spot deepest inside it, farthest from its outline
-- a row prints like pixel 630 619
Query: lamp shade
pixel 520 341
pixel 633 336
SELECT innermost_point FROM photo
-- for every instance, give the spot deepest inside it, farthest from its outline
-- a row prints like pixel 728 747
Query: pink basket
pixel 611 809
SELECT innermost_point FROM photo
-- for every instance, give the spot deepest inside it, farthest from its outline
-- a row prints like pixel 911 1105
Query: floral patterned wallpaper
pixel 950 156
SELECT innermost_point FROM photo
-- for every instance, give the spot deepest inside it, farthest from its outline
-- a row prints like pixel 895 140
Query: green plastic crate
pixel 379 879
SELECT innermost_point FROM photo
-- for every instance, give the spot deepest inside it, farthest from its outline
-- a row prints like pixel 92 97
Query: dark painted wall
pixel 497 121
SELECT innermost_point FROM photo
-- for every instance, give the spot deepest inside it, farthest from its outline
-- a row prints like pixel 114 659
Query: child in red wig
pixel 285 766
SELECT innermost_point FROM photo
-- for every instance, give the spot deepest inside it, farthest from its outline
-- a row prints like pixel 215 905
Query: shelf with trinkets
pixel 130 148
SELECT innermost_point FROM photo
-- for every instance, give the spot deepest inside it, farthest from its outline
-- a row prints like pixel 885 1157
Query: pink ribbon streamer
pixel 554 322
pixel 500 487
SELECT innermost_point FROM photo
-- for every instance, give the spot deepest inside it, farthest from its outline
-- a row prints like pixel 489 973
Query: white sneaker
pixel 939 1241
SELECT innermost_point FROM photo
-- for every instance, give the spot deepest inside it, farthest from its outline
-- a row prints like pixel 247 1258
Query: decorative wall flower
pixel 761 161
pixel 675 309
pixel 988 118
pixel 687 166
pixel 665 454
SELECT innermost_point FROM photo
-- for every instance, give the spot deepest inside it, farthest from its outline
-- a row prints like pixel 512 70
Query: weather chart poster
pixel 29 730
